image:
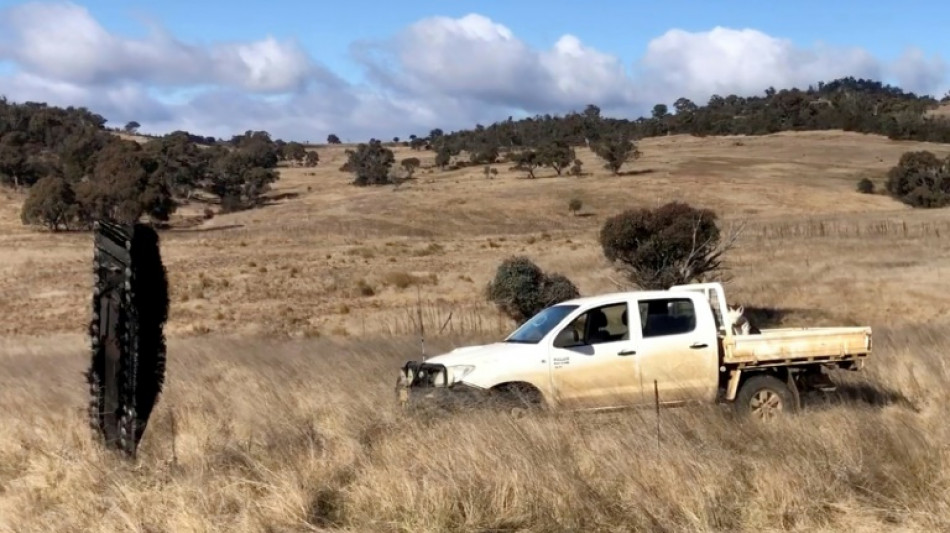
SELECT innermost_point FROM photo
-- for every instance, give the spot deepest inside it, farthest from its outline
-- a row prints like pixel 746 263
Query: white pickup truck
pixel 584 354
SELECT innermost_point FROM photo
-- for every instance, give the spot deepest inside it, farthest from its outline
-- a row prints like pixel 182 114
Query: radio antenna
pixel 422 329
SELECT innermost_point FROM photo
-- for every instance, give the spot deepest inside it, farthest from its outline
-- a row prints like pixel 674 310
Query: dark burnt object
pixel 129 310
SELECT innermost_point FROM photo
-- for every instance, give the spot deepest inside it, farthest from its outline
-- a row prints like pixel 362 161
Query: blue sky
pixel 364 68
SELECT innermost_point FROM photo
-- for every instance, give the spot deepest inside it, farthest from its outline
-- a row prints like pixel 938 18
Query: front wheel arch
pixel 520 394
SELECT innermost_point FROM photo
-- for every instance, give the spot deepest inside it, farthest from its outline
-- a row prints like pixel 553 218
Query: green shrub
pixel 521 289
pixel 51 203
pixel 670 245
pixel 920 179
pixel 575 205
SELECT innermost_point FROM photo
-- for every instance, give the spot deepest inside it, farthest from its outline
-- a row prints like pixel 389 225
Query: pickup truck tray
pixel 797 346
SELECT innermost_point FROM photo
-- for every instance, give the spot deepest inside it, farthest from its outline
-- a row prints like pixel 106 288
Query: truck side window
pixel 667 316
pixel 607 323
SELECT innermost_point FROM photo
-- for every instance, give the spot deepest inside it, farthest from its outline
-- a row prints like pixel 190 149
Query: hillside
pixel 943 110
pixel 292 309
pixel 258 432
pixel 300 265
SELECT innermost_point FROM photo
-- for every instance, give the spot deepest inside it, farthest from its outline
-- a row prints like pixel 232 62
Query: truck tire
pixel 517 399
pixel 765 397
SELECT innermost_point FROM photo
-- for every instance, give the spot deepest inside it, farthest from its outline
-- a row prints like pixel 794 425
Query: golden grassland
pixel 943 110
pixel 303 435
pixel 288 323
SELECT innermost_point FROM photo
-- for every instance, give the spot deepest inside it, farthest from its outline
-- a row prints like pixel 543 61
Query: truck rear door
pixel 677 348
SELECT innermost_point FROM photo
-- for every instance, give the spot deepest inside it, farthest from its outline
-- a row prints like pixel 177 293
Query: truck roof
pixel 613 296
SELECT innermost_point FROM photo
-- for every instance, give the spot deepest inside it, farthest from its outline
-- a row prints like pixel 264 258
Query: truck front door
pixel 591 363
pixel 677 348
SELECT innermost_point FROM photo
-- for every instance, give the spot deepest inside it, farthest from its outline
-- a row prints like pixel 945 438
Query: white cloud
pixel 438 72
pixel 63 41
pixel 582 74
pixel 914 72
pixel 745 62
pixel 473 58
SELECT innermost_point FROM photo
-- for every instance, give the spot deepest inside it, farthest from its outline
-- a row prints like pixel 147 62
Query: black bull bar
pixel 421 382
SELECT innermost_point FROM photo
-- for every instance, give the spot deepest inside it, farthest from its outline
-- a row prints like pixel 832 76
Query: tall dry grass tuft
pixel 303 435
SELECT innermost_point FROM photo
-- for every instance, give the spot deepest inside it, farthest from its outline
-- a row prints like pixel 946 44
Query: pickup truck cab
pixel 641 348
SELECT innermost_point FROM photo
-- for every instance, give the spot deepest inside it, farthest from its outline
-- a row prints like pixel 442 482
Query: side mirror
pixel 567 338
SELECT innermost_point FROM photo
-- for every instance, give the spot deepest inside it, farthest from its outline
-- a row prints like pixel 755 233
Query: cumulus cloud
pixel 915 72
pixel 476 59
pixel 64 42
pixel 438 72
pixel 746 62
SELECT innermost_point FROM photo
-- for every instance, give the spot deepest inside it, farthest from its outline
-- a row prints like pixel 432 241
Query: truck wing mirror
pixel 566 338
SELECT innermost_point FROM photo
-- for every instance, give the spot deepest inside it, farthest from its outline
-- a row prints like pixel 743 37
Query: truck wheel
pixel 765 397
pixel 517 399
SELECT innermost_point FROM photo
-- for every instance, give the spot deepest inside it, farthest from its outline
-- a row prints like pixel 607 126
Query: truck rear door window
pixel 667 316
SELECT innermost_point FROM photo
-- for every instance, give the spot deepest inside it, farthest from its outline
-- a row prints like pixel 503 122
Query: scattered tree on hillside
pixel 684 106
pixel 528 161
pixel 672 244
pixel 866 186
pixel 237 181
pixel 556 154
pixel 97 174
pixel 850 104
pixel 444 156
pixel 370 162
pixel 14 165
pixel 410 164
pixel 920 179
pixel 124 185
pixel 417 143
pixel 38 141
pixel 616 150
pixel 577 168
pixel 51 203
pixel 132 126
pixel 520 289
pixel 484 153
pixel 292 151
pixel 574 205
pixel 311 159
pixel 179 162
pixel 258 148
pixel 592 111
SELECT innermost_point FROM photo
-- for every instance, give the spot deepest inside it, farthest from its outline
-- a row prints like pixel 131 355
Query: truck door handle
pixel 698 345
pixel 626 352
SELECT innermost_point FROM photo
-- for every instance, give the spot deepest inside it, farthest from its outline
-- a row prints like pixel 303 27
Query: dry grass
pixel 943 110
pixel 308 437
pixel 289 321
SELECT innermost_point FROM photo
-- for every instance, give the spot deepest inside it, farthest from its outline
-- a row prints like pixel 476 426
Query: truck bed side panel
pixel 772 346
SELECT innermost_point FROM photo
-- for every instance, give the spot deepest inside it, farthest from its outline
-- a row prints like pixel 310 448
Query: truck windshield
pixel 532 331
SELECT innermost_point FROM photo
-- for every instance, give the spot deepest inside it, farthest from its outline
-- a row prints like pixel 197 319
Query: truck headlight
pixel 458 372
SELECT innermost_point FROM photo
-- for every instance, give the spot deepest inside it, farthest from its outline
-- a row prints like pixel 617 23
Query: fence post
pixel 656 400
